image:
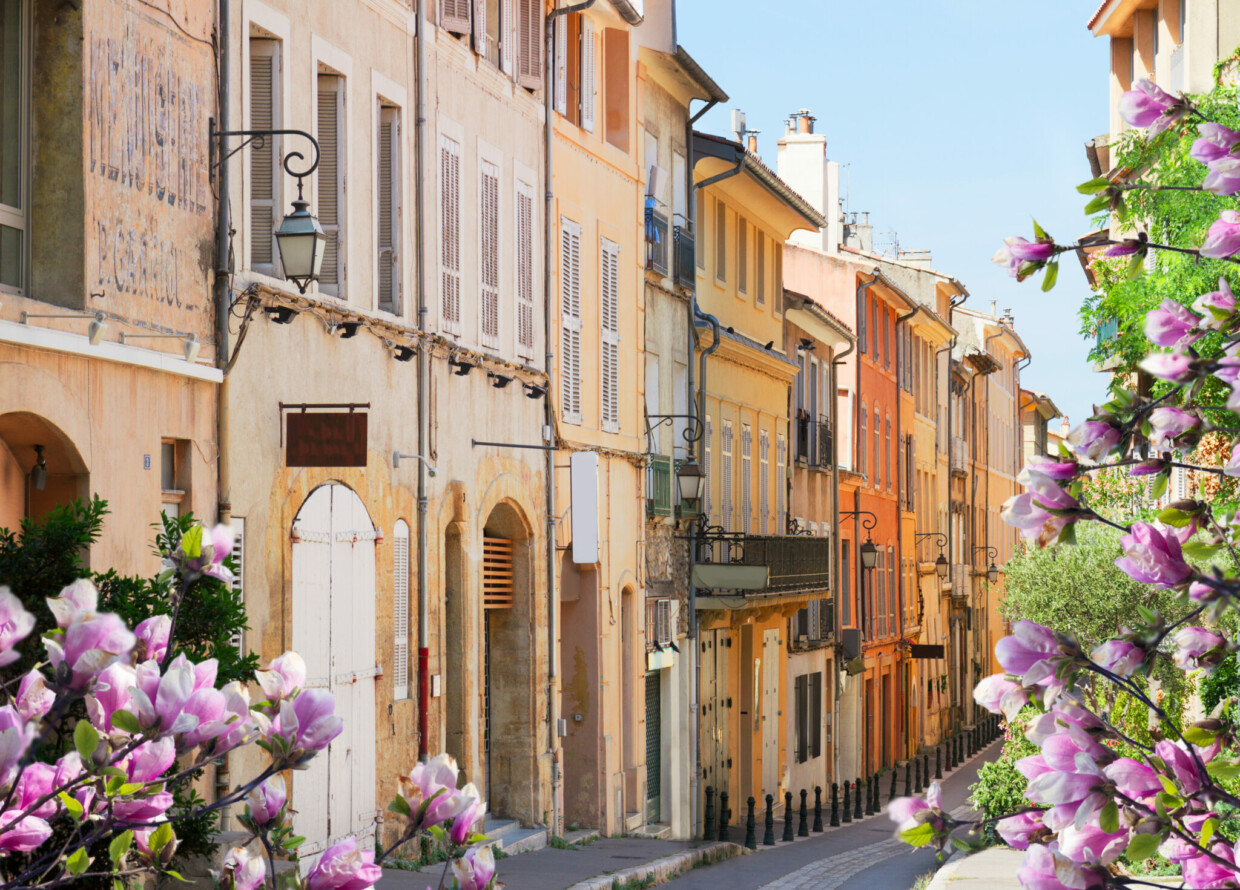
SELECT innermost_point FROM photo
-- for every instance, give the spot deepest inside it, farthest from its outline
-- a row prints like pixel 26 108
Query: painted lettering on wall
pixel 136 261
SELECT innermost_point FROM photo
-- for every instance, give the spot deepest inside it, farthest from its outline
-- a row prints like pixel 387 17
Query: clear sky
pixel 959 120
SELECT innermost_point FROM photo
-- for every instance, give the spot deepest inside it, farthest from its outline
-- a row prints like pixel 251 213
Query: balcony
pixel 1107 331
pixel 656 241
pixel 960 455
pixel 686 272
pixel 659 486
pixel 961 585
pixel 815 444
pixel 793 563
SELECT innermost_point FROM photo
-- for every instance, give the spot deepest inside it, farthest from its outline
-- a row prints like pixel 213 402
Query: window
pixel 746 476
pixel 710 480
pixel 721 240
pixel 616 87
pixel 781 487
pixel 238 582
pixel 525 270
pixel 862 442
pixel 777 258
pixel 808 718
pixel 764 482
pixel 886 337
pixel 609 354
pixel 454 15
pixel 699 255
pixel 846 610
pixel 887 455
pixel 575 69
pixel 893 599
pixel 878 438
pixel 14 89
pixel 400 610
pixel 488 252
pixel 265 173
pixel 862 320
pixel 174 476
pixel 331 182
pixel 874 326
pixel 742 255
pixel 450 233
pixel 760 256
pixel 570 321
pixel 388 259
pixel 726 492
pixel 495 16
pixel 529 43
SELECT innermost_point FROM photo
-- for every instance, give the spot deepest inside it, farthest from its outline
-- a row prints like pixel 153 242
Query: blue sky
pixel 960 120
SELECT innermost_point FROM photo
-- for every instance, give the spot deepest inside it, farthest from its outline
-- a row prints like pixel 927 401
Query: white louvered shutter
pixel 570 321
pixel 746 476
pixel 400 610
pixel 764 482
pixel 488 252
pixel 450 233
pixel 330 182
pixel 454 16
pixel 725 497
pixel 530 43
pixel 663 622
pixel 265 154
pixel 238 582
pixel 389 210
pixel 525 270
pixel 509 38
pixel 588 77
pixel 708 481
pixel 609 310
pixel 481 42
pixel 781 475
pixel 561 64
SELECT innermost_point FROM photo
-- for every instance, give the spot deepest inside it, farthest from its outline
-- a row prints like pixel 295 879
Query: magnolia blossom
pixel 89 641
pixel 1119 657
pixel 1172 325
pixel 344 867
pixel 283 677
pixel 904 811
pixel 999 695
pixel 1030 646
pixel 1216 306
pixel 21 834
pixel 433 785
pixel 475 869
pixel 464 822
pixel 110 694
pixel 80 596
pixel 306 725
pixel 34 699
pixel 1019 830
pixel 1133 779
pixel 1152 557
pixel 147 763
pixel 1147 468
pixel 1017 251
pixel 1060 470
pixel 201 552
pixel 265 802
pixel 1223 238
pixel 242 870
pixel 1224 177
pixel 1232 466
pixel 1090 844
pixel 1127 247
pixel 15 625
pixel 1167 425
pixel 152 637
pixel 1060 750
pixel 1191 643
pixel 1093 440
pixel 1202 871
pixel 1214 142
pixel 1173 366
pixel 1150 106
pixel 15 737
pixel 1031 511
pixel 1044 869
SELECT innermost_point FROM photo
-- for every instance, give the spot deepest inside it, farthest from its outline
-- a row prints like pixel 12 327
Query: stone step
pixel 653 831
pixel 524 840
pixel 495 829
pixel 581 835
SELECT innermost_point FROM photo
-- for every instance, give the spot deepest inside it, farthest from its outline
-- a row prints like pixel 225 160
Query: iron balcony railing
pixel 659 486
pixel 795 563
pixel 960 454
pixel 815 444
pixel 686 271
pixel 656 241
pixel 826 444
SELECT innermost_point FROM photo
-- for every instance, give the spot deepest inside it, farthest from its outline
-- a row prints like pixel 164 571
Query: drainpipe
pixel 692 344
pixel 863 292
pixel 900 501
pixel 222 277
pixel 951 347
pixel 836 361
pixel 549 398
pixel 424 384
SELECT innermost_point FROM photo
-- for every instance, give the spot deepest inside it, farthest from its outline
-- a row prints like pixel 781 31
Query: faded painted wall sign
pixel 150 92
pixel 335 439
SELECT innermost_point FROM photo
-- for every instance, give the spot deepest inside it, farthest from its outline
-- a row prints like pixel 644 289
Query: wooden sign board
pixel 919 651
pixel 335 439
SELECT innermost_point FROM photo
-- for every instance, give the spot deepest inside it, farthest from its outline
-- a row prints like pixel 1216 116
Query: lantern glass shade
pixel 869 555
pixel 302 243
pixel 940 566
pixel 689 479
pixel 992 573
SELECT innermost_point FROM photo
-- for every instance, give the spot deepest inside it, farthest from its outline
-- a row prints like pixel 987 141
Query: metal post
pixel 817 808
pixel 725 813
pixel 858 813
pixel 788 835
pixel 768 838
pixel 751 832
pixel 708 819
pixel 892 794
pixel 803 825
pixel 917 786
pixel 847 805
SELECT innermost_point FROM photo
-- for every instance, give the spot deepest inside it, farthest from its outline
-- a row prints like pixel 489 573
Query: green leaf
pixel 1136 264
pixel 177 875
pixel 113 786
pixel 1120 209
pixel 1200 549
pixel 437 832
pixel 400 806
pixel 1168 785
pixel 1207 831
pixel 1142 847
pixel 1067 534
pixel 78 862
pixel 294 842
pixel 191 542
pixel 1039 233
pixel 1108 819
pixel 85 739
pixel 964 846
pixel 1170 801
pixel 918 836
pixel 126 722
pixel 119 847
pixel 478 838
pixel 1195 735
pixel 1223 769
pixel 1172 516
pixel 1050 276
pixel 1159 486
pixel 1148 615
pixel 72 807
pixel 1093 186
pixel 132 788
pixel 160 838
pixel 1098 204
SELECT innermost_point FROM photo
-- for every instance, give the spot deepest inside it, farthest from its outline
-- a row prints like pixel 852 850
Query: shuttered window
pixel 609 311
pixel 388 199
pixel 846 604
pixel 815 715
pixel 887 455
pixel 525 270
pixel 529 43
pixel 488 252
pixel 801 717
pixel 264 154
pixel 331 182
pixel 878 440
pixel 742 254
pixel 561 64
pixel 746 476
pixel 400 610
pixel 570 321
pixel 728 482
pixel 721 240
pixel 481 29
pixel 497 573
pixel 707 439
pixel 454 15
pixel 781 487
pixel 862 443
pixel 764 482
pixel 760 256
pixel 238 582
pixel 589 77
pixel 777 261
pixel 450 233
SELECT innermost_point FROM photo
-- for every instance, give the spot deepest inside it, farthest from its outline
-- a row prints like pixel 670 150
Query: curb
pixel 660 870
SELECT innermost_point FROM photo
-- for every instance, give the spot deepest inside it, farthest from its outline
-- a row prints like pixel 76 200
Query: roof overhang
pixel 632 11
pixel 681 75
pixel 1113 18
pixel 716 154
pixel 807 315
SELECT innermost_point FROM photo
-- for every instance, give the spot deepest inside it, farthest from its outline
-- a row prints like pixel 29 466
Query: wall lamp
pixel 397 457
pixel 345 330
pixel 94 333
pixel 499 381
pixel 869 552
pixel 992 571
pixel 38 473
pixel 403 353
pixel 940 564
pixel 460 366
pixel 534 391
pixel 190 346
pixel 281 314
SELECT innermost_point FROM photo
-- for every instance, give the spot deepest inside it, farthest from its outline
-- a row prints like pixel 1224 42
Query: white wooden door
pixel 334 630
pixel 770 712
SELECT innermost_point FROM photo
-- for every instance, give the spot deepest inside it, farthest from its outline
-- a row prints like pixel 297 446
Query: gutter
pixel 836 361
pixel 901 501
pixel 221 283
pixel 424 421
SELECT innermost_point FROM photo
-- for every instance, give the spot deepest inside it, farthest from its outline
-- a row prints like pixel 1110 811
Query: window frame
pixel 338 229
pixel 388 127
pixel 272 48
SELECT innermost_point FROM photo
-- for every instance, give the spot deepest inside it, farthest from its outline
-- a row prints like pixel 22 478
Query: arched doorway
pixel 507 692
pixel 334 631
pixel 40 468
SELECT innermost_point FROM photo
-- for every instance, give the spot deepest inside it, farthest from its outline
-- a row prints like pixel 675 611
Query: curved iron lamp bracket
pixel 867 519
pixel 258 138
pixel 940 535
pixel 694 429
pixel 991 552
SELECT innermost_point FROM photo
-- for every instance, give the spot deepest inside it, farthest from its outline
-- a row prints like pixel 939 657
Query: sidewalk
pixel 991 869
pixel 834 855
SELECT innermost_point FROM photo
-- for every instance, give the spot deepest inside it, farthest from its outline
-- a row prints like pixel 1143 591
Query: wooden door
pixel 770 712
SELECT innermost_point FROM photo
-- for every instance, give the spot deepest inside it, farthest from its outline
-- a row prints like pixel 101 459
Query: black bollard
pixel 788 835
pixel 917 786
pixel 751 831
pixel 708 821
pixel 847 804
pixel 858 812
pixel 938 762
pixel 878 795
pixel 725 814
pixel 869 796
pixel 892 794
pixel 835 804
pixel 817 808
pixel 925 769
pixel 908 778
pixel 955 751
pixel 803 825
pixel 768 837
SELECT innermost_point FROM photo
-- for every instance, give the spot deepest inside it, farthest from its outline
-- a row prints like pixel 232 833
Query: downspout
pixel 901 473
pixel 953 302
pixel 424 370
pixel 693 339
pixel 549 400
pixel 836 361
pixel 863 292
pixel 985 616
pixel 222 277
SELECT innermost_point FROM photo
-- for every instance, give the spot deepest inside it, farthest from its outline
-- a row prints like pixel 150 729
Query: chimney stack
pixel 751 143
pixel 802 163
pixel 805 122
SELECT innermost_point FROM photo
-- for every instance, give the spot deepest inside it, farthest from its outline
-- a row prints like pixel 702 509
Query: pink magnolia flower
pixel 1063 714
pixel 1093 440
pixel 1232 466
pixel 147 763
pixel 1052 468
pixel 1029 645
pixel 1016 251
pixel 1173 366
pixel 35 783
pixel 463 823
pixel 34 699
pixel 344 867
pixel 15 625
pixel 1152 557
pixel 1224 177
pixel 1214 142
pixel 475 869
pixel 15 737
pixel 1191 643
pixel 1147 468
pixel 1167 425
pixel 1172 325
pixel 110 694
pixel 1017 831
pixel 433 785
pixel 1061 749
pixel 1223 238
pixel 1182 764
pixel 1084 787
pixel 1030 511
pixel 242 870
pixel 1127 247
pixel 90 643
pixel 1091 845
pixel 283 677
pixel 20 834
pixel 265 803
pixel 200 552
pixel 306 725
pixel 80 596
pixel 1201 872
pixel 161 702
pixel 1044 869
pixel 152 637
pixel 1033 766
pixel 1133 778
pixel 1216 306
pixel 239 723
pixel 999 695
pixel 1119 657
pixel 1150 106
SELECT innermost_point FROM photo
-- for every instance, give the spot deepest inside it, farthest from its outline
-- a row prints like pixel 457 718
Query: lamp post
pixel 940 564
pixel 992 572
pixel 300 239
pixel 689 481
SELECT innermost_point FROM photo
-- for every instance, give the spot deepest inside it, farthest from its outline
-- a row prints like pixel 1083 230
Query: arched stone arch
pixel 41 467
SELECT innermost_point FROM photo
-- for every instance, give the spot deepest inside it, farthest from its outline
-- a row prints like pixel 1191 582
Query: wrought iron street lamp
pixel 992 572
pixel 868 551
pixel 940 564
pixel 689 479
pixel 300 239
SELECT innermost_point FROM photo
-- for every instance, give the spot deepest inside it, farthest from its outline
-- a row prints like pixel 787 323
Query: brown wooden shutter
pixel 454 15
pixel 497 573
pixel 264 155
pixel 529 43
pixel 329 183
pixel 389 204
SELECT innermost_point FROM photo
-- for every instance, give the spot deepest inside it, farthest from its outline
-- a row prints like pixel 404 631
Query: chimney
pixel 921 259
pixel 751 143
pixel 858 233
pixel 1008 318
pixel 802 163
pixel 805 122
